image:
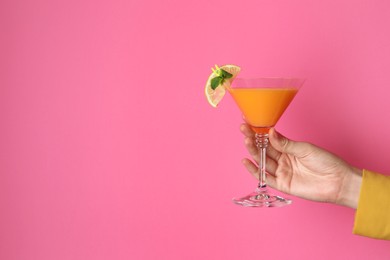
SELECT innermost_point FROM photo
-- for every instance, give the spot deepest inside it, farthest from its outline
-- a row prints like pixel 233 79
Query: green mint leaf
pixel 226 74
pixel 215 82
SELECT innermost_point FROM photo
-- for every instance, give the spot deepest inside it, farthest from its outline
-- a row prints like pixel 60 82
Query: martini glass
pixel 262 102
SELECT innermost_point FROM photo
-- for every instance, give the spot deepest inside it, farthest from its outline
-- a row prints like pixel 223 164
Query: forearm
pixel 350 188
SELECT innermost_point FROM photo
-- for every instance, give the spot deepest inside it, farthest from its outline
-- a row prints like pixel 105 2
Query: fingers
pixel 254 170
pixel 273 153
pixel 271 181
pixel 247 131
pixel 251 167
pixel 254 152
pixel 271 159
pixel 252 149
pixel 270 166
pixel 285 145
pixel 281 143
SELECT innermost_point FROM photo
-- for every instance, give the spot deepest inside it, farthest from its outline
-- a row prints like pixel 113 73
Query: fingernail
pixel 243 161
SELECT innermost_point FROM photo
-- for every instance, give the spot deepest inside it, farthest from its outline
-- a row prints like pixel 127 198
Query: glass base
pixel 262 198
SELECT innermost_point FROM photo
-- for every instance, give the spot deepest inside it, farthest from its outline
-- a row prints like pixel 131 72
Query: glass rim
pixel 270 77
pixel 268 82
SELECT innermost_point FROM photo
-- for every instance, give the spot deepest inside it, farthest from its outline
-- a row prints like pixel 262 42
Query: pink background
pixel 109 150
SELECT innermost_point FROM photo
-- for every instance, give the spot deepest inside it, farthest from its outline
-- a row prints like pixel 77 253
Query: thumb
pixel 285 145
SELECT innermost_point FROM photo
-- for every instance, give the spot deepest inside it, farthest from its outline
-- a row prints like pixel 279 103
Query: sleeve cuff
pixel 372 218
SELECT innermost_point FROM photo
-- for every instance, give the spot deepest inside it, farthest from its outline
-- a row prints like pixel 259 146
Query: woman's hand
pixel 305 170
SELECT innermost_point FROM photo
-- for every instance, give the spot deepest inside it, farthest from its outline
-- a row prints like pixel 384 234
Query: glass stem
pixel 262 143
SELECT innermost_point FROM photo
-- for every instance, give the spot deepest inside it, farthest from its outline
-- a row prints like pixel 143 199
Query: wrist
pixel 350 188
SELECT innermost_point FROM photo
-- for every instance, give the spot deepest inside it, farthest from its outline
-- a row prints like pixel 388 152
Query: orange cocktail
pixel 262 107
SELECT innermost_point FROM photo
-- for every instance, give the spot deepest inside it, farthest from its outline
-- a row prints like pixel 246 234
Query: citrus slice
pixel 214 96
